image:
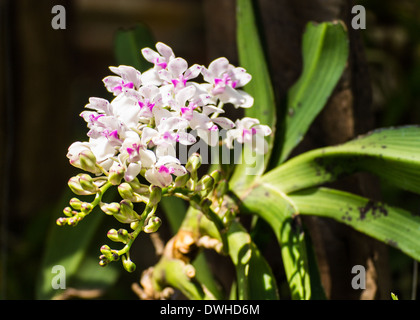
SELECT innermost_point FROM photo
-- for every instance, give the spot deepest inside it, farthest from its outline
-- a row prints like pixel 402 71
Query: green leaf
pixel 391 225
pixel 255 279
pixel 393 154
pixel 280 212
pixel 325 51
pixel 252 58
pixel 128 44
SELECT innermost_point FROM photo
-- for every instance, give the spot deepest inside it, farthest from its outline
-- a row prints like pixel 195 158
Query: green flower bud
pixel 128 264
pixel 76 203
pixel 113 235
pixel 86 207
pixel 142 189
pixel 216 175
pixel 76 187
pixel 110 208
pixel 193 163
pixel 118 236
pixel 103 262
pixel 109 254
pixel 181 181
pixel 73 221
pixel 206 183
pixel 61 221
pixel 68 212
pixel 87 183
pixel 155 195
pixel 116 173
pixel 134 225
pixel 126 192
pixel 87 161
pixel 152 225
pixel 123 235
pixel 126 213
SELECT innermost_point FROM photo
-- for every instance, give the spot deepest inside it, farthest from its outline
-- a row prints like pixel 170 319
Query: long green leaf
pixel 325 51
pixel 393 154
pixel 255 280
pixel 391 225
pixel 252 58
pixel 279 211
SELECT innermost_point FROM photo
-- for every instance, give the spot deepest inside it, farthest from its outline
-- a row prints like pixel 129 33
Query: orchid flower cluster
pixel 132 139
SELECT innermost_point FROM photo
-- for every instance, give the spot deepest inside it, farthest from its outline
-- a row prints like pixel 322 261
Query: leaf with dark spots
pixel 383 222
pixel 376 209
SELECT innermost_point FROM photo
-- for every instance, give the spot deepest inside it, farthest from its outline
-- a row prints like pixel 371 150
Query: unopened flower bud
pixel 68 212
pixel 103 262
pixel 155 195
pixel 116 173
pixel 126 213
pixel 109 254
pixel 118 236
pixel 181 181
pixel 76 187
pixel 61 221
pixel 193 163
pixel 87 183
pixel 216 175
pixel 123 235
pixel 73 221
pixel 152 225
pixel 113 235
pixel 125 191
pixel 76 203
pixel 138 187
pixel 206 183
pixel 110 208
pixel 128 264
pixel 87 161
pixel 86 207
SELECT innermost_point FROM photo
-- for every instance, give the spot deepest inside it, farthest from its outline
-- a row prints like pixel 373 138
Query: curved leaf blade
pixel 252 58
pixel 279 211
pixel 255 280
pixel 391 225
pixel 393 154
pixel 325 52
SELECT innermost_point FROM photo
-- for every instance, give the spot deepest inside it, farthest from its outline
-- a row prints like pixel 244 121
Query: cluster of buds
pixel 132 142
